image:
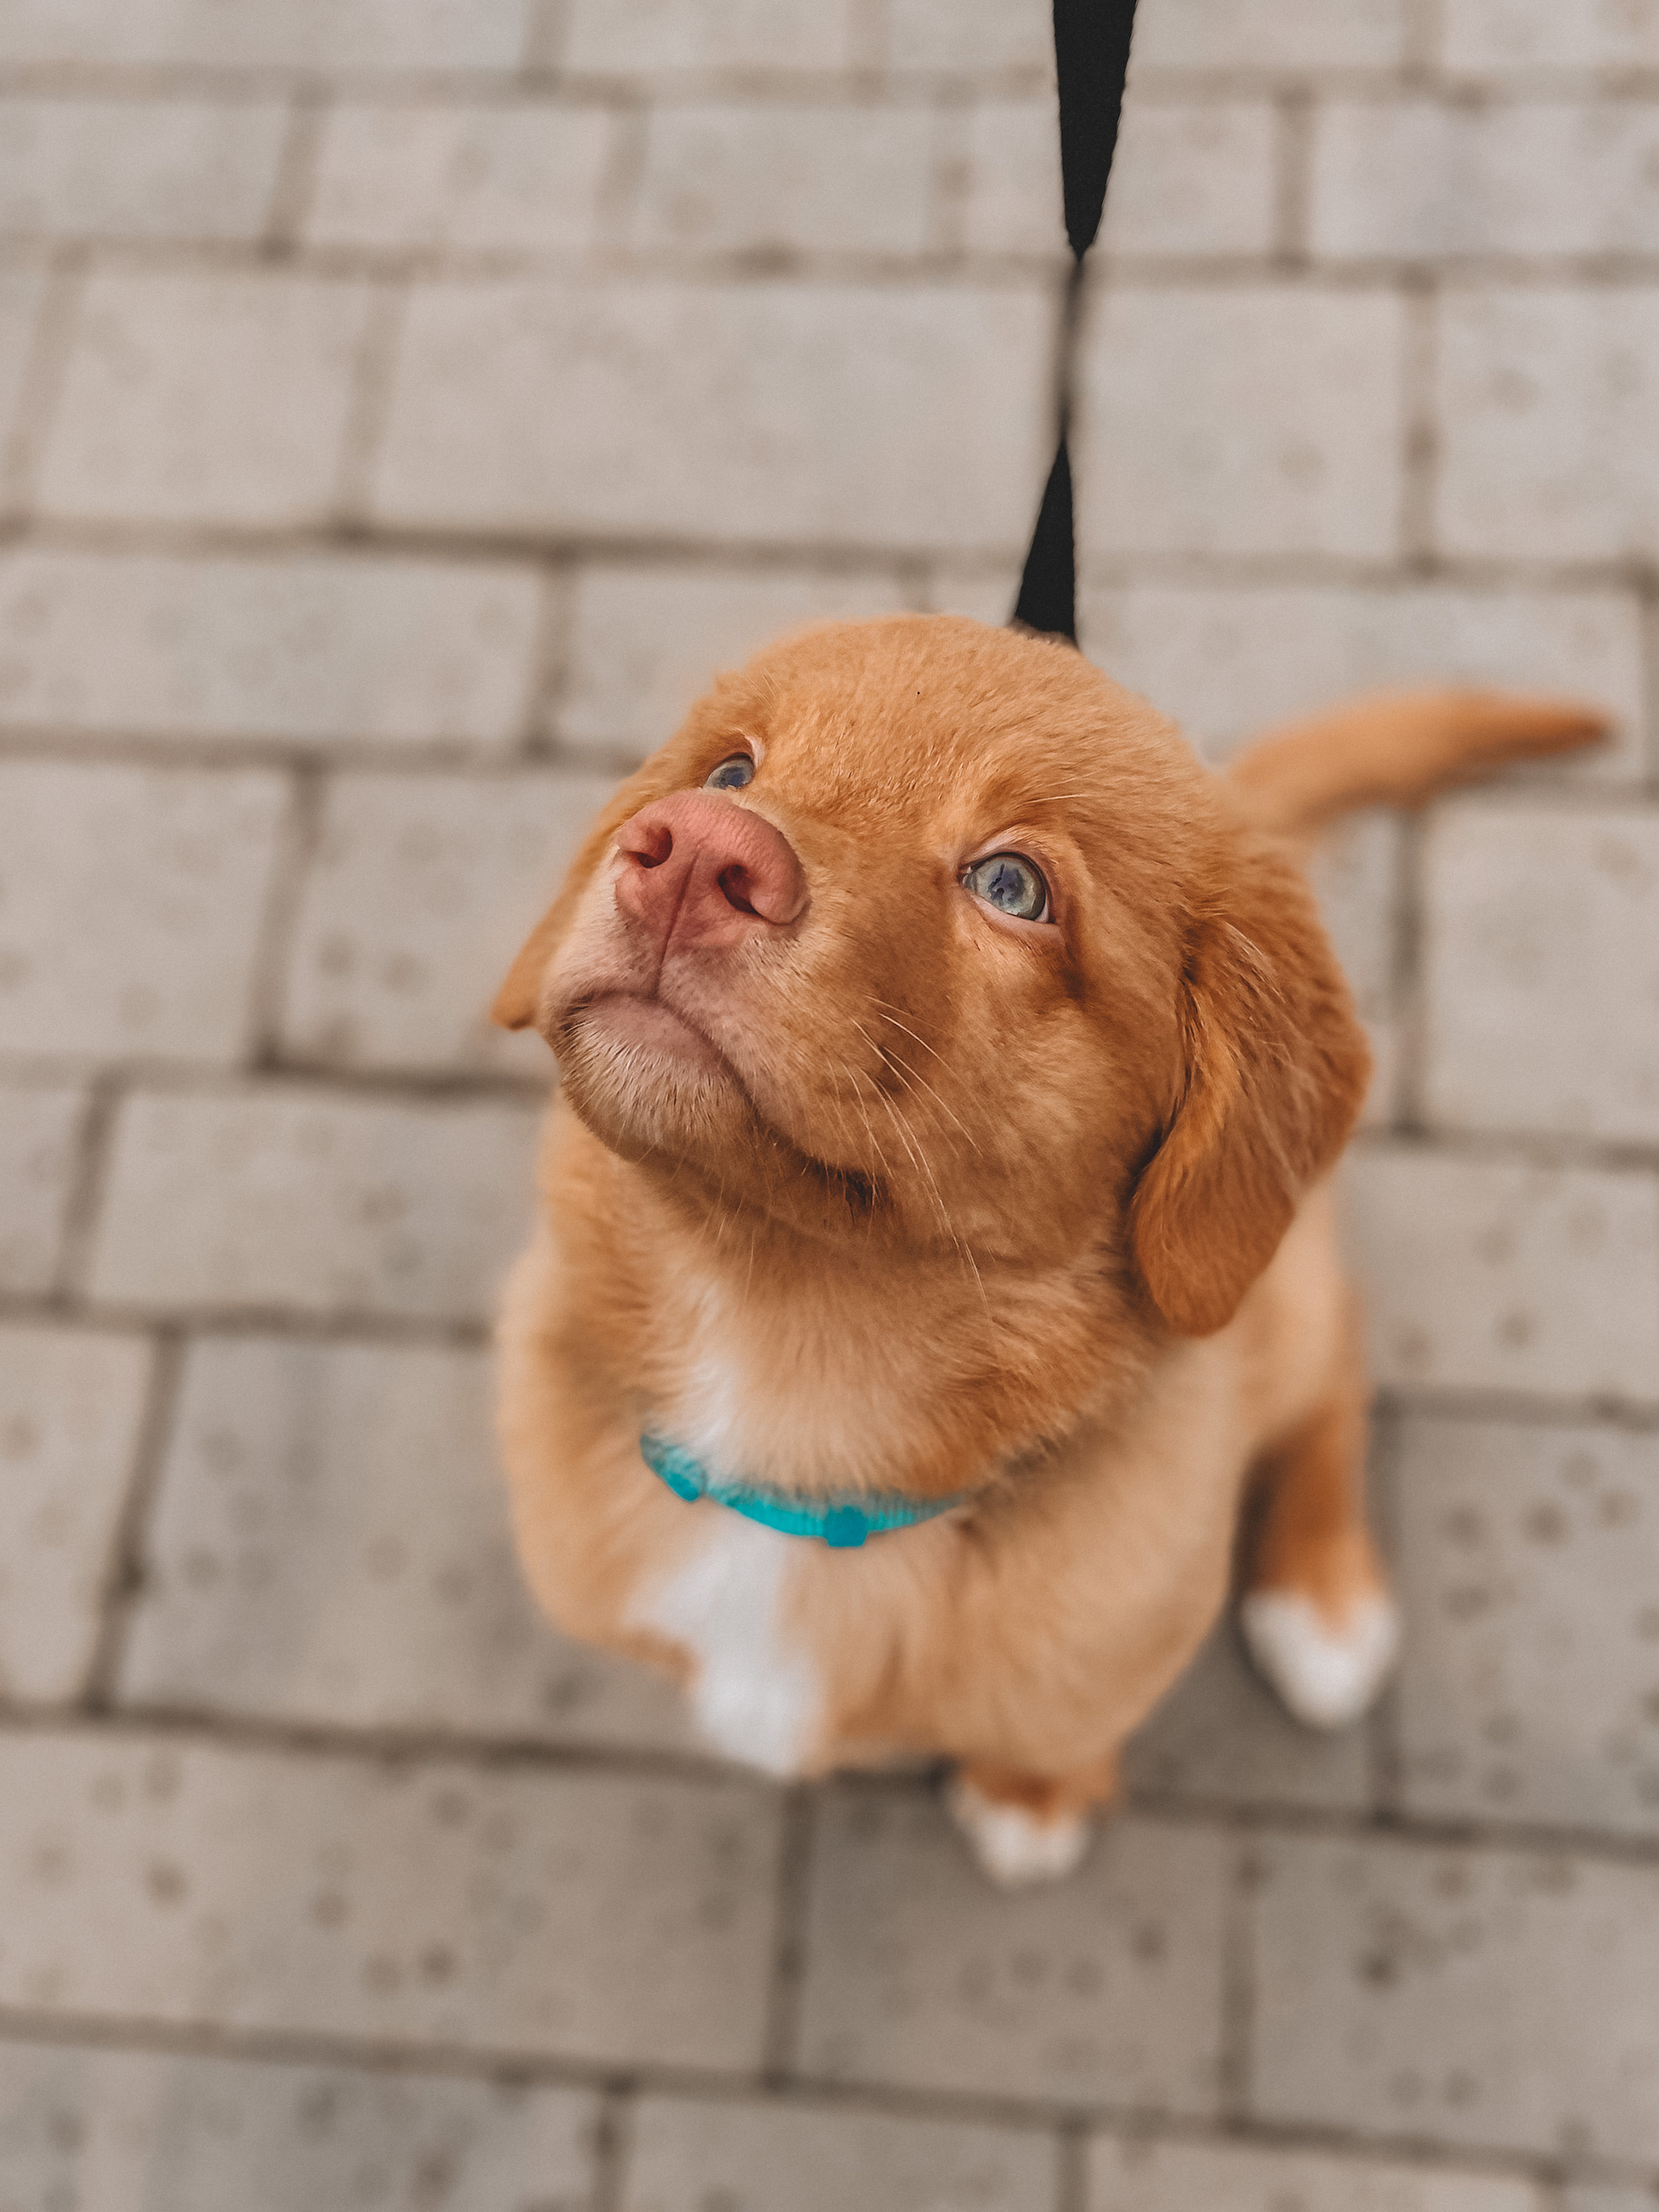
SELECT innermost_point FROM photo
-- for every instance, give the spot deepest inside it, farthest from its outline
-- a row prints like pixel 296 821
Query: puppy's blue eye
pixel 1008 882
pixel 731 775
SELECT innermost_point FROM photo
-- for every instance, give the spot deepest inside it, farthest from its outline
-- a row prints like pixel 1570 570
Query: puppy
pixel 952 1070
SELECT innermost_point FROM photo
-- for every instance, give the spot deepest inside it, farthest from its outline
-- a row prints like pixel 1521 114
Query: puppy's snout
pixel 698 871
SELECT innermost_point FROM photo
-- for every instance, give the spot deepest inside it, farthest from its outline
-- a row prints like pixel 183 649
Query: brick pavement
pixel 403 405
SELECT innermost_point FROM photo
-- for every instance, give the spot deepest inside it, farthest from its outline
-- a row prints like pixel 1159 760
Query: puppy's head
pixel 926 932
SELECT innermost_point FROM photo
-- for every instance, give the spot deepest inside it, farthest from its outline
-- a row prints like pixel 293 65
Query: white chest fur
pixel 755 1697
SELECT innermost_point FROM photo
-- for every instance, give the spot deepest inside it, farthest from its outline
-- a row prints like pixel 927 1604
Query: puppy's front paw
pixel 1014 1847
pixel 1326 1674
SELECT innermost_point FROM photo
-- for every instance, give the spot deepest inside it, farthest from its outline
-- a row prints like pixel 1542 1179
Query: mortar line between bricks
pixel 509 758
pixel 369 405
pixel 1292 179
pixel 505 84
pixel 303 1742
pixel 47 361
pixel 553 754
pixel 788 1980
pixel 99 1318
pixel 547 677
pixel 546 29
pixel 1072 2167
pixel 1425 39
pixel 622 263
pixel 613 2144
pixel 298 834
pixel 461 543
pixel 296 175
pixel 86 1185
pixel 1386 1756
pixel 125 1577
pixel 627 2079
pixel 868 36
pixel 1419 459
pixel 304 1079
pixel 364 756
pixel 1235 2028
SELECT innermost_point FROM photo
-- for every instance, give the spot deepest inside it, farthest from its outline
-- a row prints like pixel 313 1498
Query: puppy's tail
pixel 1397 749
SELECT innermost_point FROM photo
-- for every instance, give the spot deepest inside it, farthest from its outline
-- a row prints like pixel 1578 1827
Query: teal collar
pixel 841 1523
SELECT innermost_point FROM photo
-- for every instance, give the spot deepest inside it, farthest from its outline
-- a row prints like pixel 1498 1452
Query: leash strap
pixel 1091 60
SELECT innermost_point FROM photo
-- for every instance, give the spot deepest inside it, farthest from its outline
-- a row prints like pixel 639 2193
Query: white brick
pixel 1485 1998
pixel 1486 1276
pixel 1277 35
pixel 1542 930
pixel 1497 35
pixel 70 1405
pixel 1011 201
pixel 1102 1990
pixel 785 178
pixel 159 169
pixel 305 648
pixel 1225 663
pixel 422 889
pixel 132 903
pixel 523 178
pixel 1414 179
pixel 699 2157
pixel 1221 1737
pixel 1264 421
pixel 646 641
pixel 987 596
pixel 592 1916
pixel 1548 397
pixel 273 1196
pixel 332 1545
pixel 205 398
pixel 40 1130
pixel 1138 2175
pixel 250 34
pixel 971 34
pixel 1356 872
pixel 21 291
pixel 95 2128
pixel 769 411
pixel 1529 1568
pixel 651 35
pixel 1193 179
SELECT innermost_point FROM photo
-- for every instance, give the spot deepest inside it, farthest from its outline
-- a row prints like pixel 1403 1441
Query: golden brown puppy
pixel 952 1070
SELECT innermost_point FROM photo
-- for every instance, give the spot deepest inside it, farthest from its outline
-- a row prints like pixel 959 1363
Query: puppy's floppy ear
pixel 1276 1071
pixel 517 1001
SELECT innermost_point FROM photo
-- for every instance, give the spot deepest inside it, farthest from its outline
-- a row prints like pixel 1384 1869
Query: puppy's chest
pixel 731 1601
pixel 755 1690
pixel 783 1401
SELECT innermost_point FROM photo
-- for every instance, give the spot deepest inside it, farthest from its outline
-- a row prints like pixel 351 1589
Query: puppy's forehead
pixel 923 711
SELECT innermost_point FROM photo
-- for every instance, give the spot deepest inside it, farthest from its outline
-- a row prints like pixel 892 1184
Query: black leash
pixel 1092 57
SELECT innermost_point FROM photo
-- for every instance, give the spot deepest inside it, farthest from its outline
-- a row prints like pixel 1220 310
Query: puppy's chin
pixel 644 1080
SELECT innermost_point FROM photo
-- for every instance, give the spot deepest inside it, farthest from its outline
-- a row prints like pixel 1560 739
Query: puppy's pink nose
pixel 701 872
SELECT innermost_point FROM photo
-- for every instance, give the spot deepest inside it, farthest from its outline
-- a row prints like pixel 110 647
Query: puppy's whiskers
pixel 913 1144
pixel 915 1075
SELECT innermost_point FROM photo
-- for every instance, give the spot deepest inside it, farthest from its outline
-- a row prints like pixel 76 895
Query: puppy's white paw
pixel 1012 1846
pixel 1325 1677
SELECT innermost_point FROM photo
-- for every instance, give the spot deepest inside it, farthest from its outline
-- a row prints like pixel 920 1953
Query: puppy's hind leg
pixel 1317 1618
pixel 1025 1828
